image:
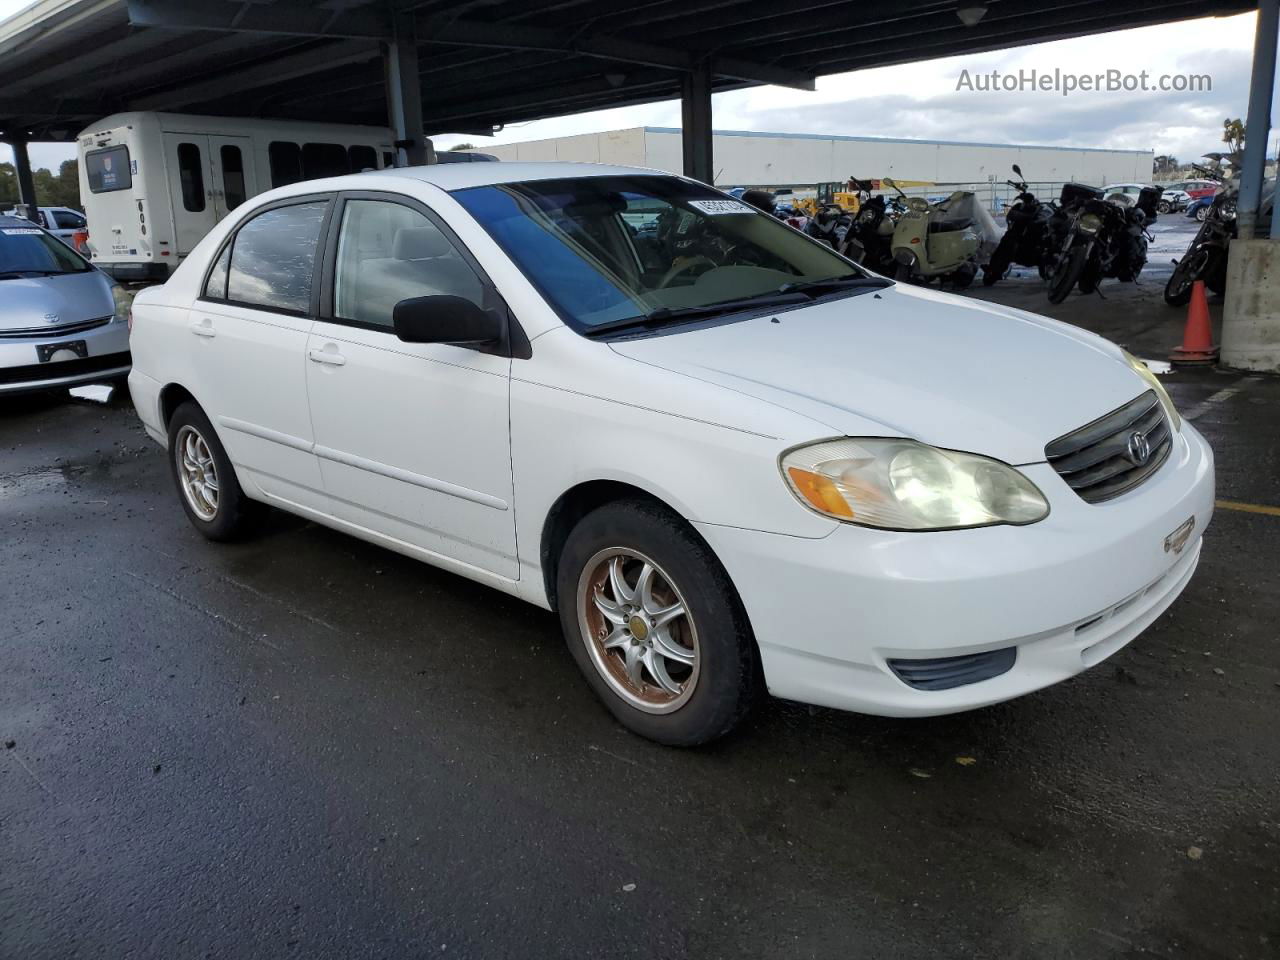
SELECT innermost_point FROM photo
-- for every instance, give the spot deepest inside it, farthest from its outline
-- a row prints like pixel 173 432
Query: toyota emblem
pixel 1139 448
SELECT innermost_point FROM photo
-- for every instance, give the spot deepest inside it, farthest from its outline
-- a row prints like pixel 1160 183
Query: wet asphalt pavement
pixel 307 746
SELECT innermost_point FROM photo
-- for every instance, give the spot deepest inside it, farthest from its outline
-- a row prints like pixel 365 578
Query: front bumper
pixel 107 349
pixel 1067 592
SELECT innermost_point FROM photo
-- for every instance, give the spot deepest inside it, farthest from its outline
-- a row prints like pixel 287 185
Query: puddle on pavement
pixel 40 481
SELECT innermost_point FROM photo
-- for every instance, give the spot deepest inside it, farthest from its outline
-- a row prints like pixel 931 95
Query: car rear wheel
pixel 655 625
pixel 207 486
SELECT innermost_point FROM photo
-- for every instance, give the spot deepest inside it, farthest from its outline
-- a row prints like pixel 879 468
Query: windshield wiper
pixel 665 315
pixel 834 284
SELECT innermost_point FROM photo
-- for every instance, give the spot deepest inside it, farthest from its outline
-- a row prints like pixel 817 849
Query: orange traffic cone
pixel 1197 338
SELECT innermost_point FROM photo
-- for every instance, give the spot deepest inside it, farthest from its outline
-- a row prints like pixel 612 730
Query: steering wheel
pixel 679 269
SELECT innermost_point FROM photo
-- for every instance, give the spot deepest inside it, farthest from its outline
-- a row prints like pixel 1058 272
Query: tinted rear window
pixel 108 169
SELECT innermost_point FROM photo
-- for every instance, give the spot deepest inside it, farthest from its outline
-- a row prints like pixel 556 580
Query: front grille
pixel 1096 460
pixel 53 333
pixel 63 368
pixel 945 673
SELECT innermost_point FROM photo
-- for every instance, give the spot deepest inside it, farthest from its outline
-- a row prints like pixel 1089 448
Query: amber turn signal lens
pixel 820 491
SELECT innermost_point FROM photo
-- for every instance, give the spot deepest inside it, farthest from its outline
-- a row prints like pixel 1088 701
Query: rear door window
pixel 108 169
pixel 273 258
pixel 191 177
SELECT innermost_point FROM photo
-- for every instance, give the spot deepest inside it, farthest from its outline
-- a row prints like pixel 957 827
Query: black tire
pixel 1164 206
pixel 233 515
pixel 962 278
pixel 1067 273
pixel 902 273
pixel 727 680
pixel 1202 214
pixel 1090 277
pixel 996 269
pixel 1177 291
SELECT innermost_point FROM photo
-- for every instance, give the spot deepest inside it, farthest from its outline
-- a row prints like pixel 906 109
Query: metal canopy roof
pixel 66 63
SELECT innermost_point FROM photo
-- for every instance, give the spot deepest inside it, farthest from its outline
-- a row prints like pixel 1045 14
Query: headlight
pixel 123 301
pixel 1090 223
pixel 1154 383
pixel 904 485
pixel 918 204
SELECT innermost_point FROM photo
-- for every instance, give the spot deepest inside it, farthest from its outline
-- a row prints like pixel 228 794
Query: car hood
pixel 905 361
pixel 69 298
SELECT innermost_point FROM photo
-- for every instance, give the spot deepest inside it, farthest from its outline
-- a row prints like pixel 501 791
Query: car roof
pixel 457 176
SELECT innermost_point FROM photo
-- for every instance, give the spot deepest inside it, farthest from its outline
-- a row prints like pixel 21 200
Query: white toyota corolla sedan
pixel 730 460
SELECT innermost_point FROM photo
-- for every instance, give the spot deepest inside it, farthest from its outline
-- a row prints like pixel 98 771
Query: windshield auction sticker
pixel 21 231
pixel 716 207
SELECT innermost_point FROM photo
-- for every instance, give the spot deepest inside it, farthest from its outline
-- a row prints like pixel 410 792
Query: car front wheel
pixel 655 625
pixel 206 481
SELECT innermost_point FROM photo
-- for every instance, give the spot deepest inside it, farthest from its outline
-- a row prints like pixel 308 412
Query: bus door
pixel 208 177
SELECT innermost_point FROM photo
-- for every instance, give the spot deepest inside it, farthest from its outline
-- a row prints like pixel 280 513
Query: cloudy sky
pixel 922 101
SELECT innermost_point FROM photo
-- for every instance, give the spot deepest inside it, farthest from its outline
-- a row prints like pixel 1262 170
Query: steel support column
pixel 1258 122
pixel 404 93
pixel 26 185
pixel 695 122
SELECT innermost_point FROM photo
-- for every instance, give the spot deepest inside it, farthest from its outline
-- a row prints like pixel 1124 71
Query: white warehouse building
pixel 743 158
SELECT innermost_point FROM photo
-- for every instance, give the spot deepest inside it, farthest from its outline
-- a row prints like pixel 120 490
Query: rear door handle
pixel 331 357
pixel 203 328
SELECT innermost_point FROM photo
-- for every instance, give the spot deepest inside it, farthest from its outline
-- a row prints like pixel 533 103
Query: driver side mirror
pixel 887 182
pixel 445 319
pixel 1017 169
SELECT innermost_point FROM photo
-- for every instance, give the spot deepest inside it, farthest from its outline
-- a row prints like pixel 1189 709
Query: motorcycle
pixel 1027 239
pixel 1097 238
pixel 1206 258
pixel 945 240
pixel 870 238
pixel 830 223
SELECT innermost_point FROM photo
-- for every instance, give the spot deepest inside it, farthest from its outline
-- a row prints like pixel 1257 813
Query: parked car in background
pixel 1198 209
pixel 62 222
pixel 1126 194
pixel 1171 201
pixel 728 457
pixel 1195 188
pixel 62 321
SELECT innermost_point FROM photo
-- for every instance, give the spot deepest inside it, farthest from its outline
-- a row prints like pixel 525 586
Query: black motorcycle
pixel 1097 238
pixel 1206 258
pixel 869 240
pixel 1027 238
pixel 830 224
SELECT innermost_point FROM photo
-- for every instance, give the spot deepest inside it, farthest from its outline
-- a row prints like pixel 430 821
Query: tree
pixel 1233 132
pixel 463 146
pixel 52 190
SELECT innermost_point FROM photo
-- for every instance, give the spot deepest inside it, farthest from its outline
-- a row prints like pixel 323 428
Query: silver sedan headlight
pixel 123 301
pixel 905 485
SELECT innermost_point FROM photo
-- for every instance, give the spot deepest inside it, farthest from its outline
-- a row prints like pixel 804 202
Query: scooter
pixel 870 239
pixel 944 241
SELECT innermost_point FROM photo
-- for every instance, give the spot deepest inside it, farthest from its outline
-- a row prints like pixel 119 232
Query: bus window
pixel 232 176
pixel 324 160
pixel 286 162
pixel 362 157
pixel 191 177
pixel 108 169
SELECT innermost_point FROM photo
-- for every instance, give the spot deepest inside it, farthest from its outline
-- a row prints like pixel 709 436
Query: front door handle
pixel 203 328
pixel 329 355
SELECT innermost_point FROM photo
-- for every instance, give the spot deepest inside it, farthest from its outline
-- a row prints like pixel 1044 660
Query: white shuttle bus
pixel 153 184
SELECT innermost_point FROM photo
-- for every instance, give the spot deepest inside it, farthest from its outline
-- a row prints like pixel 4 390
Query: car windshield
pixel 29 251
pixel 604 251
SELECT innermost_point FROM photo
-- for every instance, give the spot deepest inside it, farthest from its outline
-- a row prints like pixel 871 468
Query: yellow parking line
pixel 1247 507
